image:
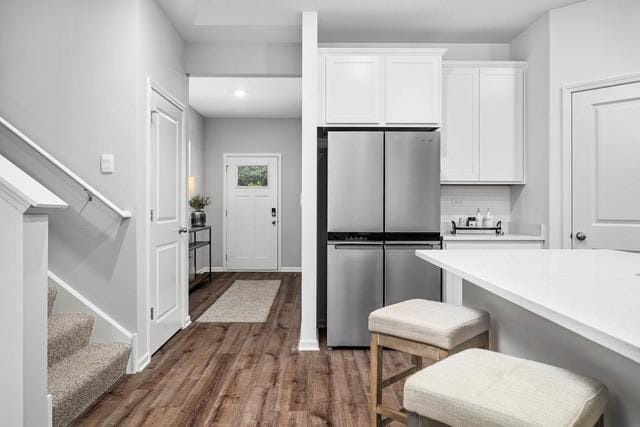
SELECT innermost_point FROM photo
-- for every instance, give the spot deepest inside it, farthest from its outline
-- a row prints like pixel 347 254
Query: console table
pixel 195 243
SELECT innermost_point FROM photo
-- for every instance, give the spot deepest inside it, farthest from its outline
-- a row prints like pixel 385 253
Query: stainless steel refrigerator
pixel 383 203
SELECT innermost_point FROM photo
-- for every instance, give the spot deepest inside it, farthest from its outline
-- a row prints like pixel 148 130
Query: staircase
pixel 79 371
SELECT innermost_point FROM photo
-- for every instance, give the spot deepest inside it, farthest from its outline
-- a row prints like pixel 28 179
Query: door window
pixel 253 176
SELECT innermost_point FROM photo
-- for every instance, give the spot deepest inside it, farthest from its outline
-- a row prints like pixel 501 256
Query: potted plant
pixel 198 216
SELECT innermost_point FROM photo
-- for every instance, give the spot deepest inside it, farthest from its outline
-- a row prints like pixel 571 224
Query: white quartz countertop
pixel 492 237
pixel 594 293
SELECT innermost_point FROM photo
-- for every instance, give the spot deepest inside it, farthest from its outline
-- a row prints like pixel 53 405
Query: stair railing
pixel 92 193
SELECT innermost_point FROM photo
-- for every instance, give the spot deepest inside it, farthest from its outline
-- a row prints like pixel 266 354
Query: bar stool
pixel 423 329
pixel 484 388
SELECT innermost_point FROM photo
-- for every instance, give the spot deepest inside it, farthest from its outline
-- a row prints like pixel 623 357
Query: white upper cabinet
pixel 483 123
pixel 412 86
pixel 460 136
pixel 352 89
pixel 501 124
pixel 380 87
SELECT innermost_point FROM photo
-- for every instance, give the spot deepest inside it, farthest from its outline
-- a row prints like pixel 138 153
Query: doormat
pixel 246 301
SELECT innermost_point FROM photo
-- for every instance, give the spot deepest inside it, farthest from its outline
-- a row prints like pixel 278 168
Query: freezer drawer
pixel 354 289
pixel 355 181
pixel 412 181
pixel 408 277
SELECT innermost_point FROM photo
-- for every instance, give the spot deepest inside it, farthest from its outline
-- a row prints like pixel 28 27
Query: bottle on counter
pixel 479 219
pixel 487 221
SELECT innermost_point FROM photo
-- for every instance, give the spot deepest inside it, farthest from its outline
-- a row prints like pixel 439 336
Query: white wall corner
pixel 308 330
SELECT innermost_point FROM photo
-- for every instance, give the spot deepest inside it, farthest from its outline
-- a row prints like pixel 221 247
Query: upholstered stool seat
pixel 429 322
pixel 426 330
pixel 483 388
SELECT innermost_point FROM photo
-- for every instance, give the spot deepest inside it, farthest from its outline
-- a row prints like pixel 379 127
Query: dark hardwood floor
pixel 241 374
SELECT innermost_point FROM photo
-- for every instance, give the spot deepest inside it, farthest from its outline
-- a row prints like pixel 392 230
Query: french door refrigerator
pixel 383 203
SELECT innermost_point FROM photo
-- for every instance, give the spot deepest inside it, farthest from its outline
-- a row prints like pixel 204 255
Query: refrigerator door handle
pixel 363 246
pixel 426 246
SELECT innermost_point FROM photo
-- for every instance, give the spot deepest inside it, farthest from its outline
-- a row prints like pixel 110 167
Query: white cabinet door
pixel 460 134
pixel 412 94
pixel 501 125
pixel 352 89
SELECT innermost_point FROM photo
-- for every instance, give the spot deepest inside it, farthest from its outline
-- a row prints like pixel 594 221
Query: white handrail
pixel 92 192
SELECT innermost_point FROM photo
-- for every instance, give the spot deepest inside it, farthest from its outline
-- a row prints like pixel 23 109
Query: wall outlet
pixel 107 163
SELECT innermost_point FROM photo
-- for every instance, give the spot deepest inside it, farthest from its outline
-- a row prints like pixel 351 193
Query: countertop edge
pixel 599 337
pixel 492 238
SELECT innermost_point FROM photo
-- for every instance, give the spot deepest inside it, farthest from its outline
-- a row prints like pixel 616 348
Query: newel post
pixel 24 209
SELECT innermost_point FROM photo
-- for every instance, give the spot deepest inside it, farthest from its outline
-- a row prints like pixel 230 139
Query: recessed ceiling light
pixel 240 93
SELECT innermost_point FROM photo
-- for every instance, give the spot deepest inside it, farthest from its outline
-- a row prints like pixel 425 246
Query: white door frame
pixel 225 157
pixel 146 306
pixel 567 148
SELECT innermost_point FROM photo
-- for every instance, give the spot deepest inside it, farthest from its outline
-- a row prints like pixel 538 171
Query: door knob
pixel 182 230
pixel 273 222
pixel 581 236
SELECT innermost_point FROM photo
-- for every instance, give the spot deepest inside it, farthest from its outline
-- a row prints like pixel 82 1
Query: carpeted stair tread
pixel 68 333
pixel 77 381
pixel 51 298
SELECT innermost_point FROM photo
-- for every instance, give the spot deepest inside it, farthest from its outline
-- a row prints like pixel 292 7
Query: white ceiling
pixel 278 21
pixel 266 97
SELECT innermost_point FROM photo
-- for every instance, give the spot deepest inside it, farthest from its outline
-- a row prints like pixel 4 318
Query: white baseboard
pixel 142 362
pixel 105 328
pixel 213 270
pixel 290 269
pixel 309 345
pixel 50 410
pixel 222 269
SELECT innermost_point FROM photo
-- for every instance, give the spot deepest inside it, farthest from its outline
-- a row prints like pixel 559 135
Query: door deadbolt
pixel 273 212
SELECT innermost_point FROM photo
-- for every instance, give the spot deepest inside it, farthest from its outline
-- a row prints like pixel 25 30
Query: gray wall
pixel 590 40
pixel 73 77
pixel 196 137
pixel 196 167
pixel 68 80
pixel 256 136
pixel 530 203
pixel 237 59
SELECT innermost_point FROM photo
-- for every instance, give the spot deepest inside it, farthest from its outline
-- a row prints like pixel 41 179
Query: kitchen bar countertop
pixel 593 293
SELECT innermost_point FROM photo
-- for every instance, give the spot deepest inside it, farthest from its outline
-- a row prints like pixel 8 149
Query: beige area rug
pixel 246 301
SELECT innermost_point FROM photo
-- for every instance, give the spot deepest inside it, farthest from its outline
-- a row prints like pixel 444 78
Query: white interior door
pixel 606 168
pixel 167 259
pixel 252 212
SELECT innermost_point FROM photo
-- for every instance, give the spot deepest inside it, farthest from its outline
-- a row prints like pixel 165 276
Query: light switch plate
pixel 107 163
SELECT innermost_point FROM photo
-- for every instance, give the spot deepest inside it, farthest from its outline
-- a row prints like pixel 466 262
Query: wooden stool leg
pixel 375 397
pixel 417 362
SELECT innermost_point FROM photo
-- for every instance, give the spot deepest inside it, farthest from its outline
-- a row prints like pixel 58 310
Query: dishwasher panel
pixel 408 277
pixel 354 289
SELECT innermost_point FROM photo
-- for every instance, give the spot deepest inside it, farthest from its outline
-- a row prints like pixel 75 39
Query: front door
pixel 252 216
pixel 167 203
pixel 606 167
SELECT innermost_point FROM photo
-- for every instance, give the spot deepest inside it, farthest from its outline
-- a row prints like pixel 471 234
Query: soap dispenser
pixel 488 219
pixel 479 220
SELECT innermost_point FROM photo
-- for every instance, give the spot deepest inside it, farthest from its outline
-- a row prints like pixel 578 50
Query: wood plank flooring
pixel 235 374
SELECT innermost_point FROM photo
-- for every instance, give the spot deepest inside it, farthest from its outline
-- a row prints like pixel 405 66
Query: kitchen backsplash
pixel 464 200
